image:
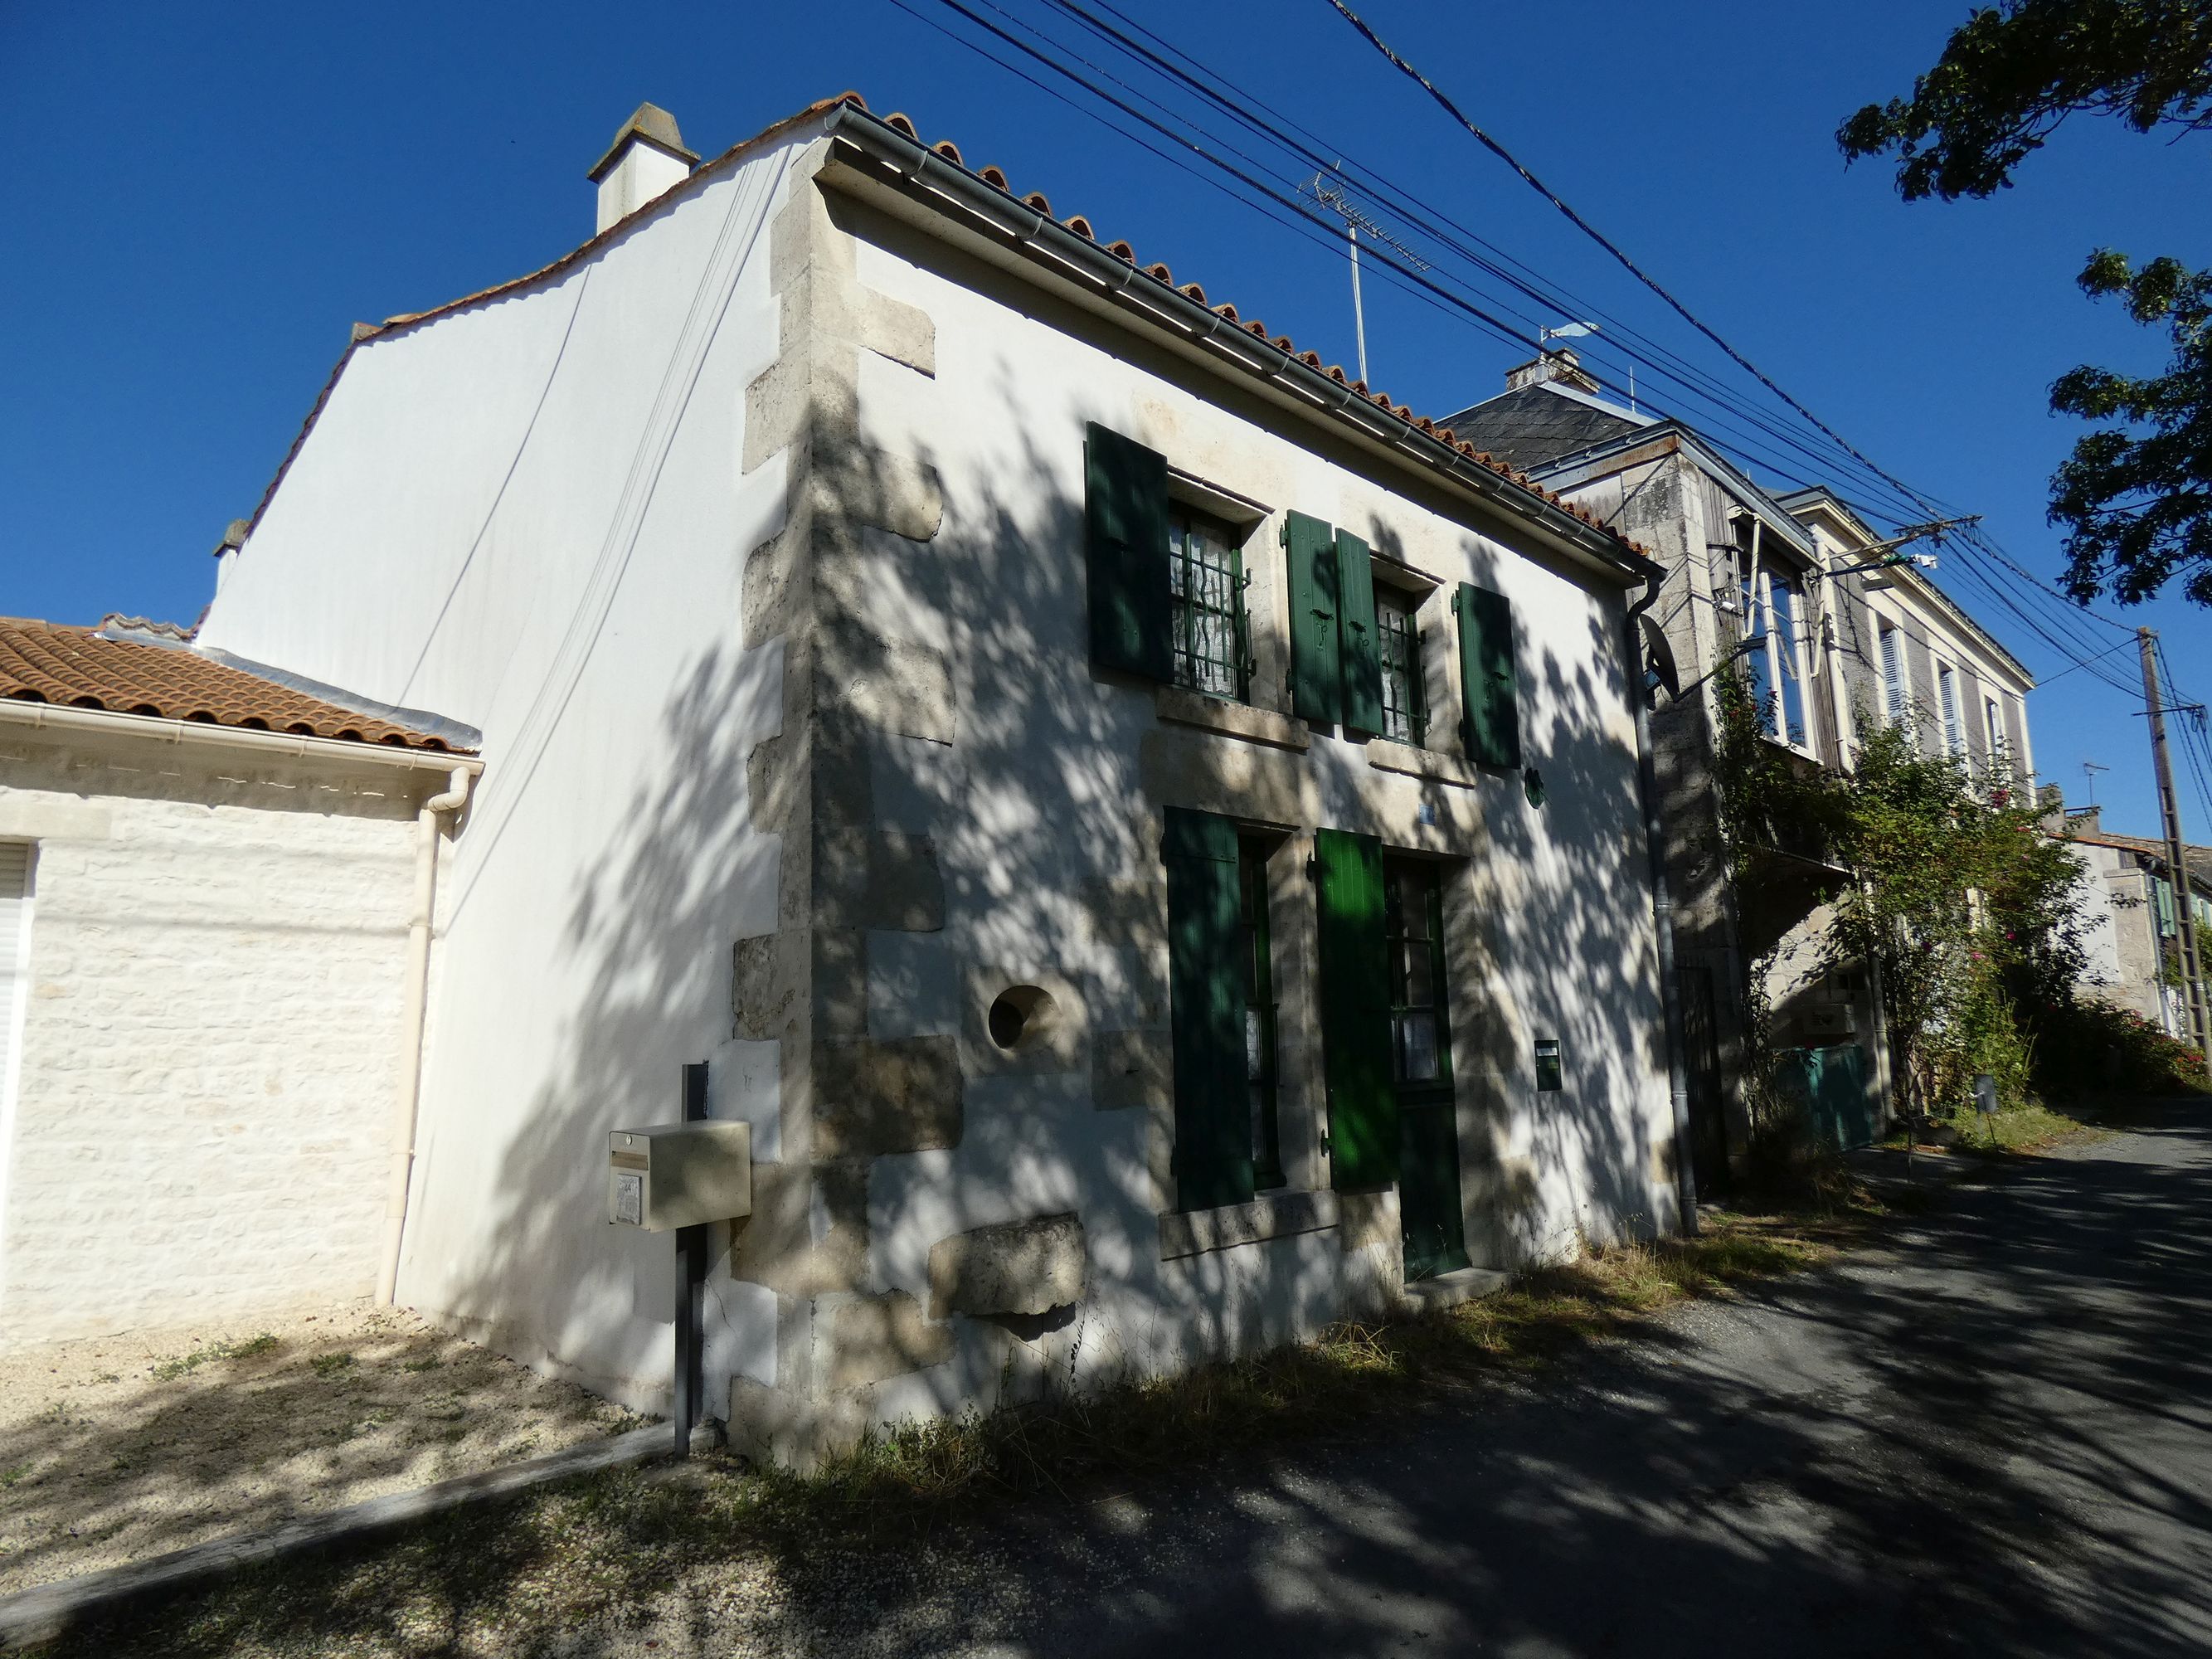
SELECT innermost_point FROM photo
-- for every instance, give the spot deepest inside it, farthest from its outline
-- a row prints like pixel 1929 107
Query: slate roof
pixel 1537 424
pixel 74 667
pixel 852 105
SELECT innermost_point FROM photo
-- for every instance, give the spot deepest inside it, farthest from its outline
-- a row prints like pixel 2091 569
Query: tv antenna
pixel 2089 770
pixel 1355 221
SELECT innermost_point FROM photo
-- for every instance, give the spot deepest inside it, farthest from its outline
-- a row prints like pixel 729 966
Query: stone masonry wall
pixel 209 1045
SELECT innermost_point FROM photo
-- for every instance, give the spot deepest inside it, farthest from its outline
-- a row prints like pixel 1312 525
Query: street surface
pixel 1990 1436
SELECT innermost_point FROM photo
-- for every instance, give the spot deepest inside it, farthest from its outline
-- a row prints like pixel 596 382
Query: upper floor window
pixel 1405 705
pixel 1893 697
pixel 1993 724
pixel 1205 592
pixel 1954 719
pixel 1775 653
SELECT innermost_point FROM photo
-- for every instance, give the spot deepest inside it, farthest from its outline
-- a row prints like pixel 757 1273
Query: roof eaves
pixel 1071 243
pixel 937 174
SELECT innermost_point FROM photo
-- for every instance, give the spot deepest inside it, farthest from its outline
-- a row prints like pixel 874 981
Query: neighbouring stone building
pixel 2133 930
pixel 1835 630
pixel 1146 830
pixel 206 880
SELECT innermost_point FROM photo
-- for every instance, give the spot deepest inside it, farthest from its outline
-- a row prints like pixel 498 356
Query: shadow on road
pixel 1993 1435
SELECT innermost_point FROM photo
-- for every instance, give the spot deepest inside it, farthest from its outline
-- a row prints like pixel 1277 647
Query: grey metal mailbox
pixel 680 1175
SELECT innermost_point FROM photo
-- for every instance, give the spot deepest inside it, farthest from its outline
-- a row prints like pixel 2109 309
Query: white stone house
pixel 1146 833
pixel 211 982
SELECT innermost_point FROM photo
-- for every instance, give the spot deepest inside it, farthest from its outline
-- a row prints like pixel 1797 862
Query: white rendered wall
pixel 1042 793
pixel 528 516
pixel 210 1027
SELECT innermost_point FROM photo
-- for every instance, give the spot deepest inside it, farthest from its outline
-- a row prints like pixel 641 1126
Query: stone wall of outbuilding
pixel 209 1041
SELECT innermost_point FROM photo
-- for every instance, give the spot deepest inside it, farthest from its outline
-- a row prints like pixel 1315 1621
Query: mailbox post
pixel 683 1177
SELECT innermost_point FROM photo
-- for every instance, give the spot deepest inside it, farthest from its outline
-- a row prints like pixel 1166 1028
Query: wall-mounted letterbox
pixel 1550 1075
pixel 678 1174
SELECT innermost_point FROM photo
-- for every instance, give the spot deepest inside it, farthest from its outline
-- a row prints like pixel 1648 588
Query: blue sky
pixel 205 197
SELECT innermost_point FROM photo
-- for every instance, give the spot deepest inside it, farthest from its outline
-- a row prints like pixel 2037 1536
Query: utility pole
pixel 2177 871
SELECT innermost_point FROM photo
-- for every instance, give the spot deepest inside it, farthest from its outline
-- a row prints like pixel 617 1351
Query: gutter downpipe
pixel 409 1096
pixel 1663 905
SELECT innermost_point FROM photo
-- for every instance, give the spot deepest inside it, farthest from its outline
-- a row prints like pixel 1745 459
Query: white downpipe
pixel 410 1094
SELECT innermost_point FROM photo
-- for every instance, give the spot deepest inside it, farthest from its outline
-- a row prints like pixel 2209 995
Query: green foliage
pixel 2136 496
pixel 2092 1049
pixel 169 1370
pixel 2010 75
pixel 1958 902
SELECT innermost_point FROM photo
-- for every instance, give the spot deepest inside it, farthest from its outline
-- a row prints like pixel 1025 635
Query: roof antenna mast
pixel 1355 221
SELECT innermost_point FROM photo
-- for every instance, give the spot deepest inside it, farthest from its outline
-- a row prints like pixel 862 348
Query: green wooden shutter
pixel 1316 674
pixel 1206 998
pixel 1126 547
pixel 1360 646
pixel 1355 1010
pixel 1490 724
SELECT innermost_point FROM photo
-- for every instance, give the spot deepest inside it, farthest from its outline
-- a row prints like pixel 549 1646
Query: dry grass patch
pixel 511 1581
pixel 117 1449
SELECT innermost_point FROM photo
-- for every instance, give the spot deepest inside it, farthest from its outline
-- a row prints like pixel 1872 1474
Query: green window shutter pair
pixel 1355 1015
pixel 1125 516
pixel 1206 977
pixel 1490 724
pixel 1336 659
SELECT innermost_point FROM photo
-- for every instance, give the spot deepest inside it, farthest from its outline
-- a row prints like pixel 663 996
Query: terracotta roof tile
pixel 80 668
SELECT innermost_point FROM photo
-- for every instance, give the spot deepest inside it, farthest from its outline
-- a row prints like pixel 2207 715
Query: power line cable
pixel 1640 349
pixel 1274 205
pixel 1629 264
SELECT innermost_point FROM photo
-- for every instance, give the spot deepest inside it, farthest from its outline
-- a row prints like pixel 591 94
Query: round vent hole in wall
pixel 1020 1016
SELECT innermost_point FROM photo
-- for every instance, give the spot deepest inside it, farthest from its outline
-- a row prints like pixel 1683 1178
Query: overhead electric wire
pixel 2053 631
pixel 1642 350
pixel 1198 78
pixel 1629 264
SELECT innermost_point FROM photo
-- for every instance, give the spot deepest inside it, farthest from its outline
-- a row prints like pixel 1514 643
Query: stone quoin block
pixel 1016 1268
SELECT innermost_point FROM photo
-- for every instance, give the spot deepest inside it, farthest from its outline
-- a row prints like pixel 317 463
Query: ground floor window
pixel 1420 1044
pixel 1261 1073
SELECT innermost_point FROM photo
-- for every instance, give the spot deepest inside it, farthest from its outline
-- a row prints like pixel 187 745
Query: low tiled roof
pixel 996 178
pixel 80 668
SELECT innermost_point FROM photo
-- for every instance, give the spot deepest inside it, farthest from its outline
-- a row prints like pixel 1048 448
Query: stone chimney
pixel 1561 365
pixel 647 159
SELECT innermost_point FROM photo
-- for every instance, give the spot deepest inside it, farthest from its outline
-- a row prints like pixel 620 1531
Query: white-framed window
pixel 1954 717
pixel 1993 725
pixel 1774 652
pixel 1894 699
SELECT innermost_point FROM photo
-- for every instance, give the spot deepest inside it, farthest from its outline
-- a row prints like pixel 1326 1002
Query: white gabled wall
pixel 528 515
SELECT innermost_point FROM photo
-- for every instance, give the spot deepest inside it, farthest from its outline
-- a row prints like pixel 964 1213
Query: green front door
pixel 1420 1071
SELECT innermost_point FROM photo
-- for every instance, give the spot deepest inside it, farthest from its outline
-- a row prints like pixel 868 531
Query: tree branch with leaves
pixel 2136 496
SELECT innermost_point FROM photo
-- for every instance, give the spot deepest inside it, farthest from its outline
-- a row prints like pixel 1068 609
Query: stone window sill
pixel 1272 1215
pixel 1389 756
pixel 1232 719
